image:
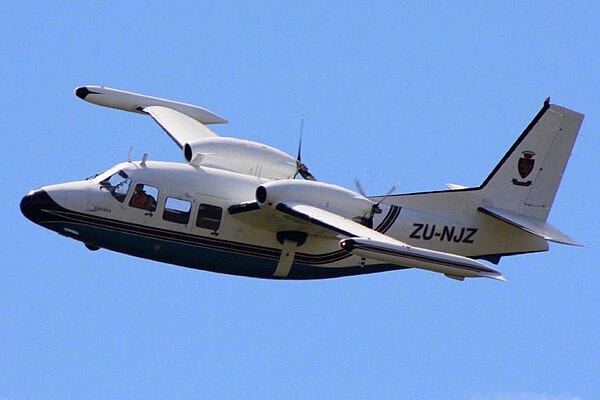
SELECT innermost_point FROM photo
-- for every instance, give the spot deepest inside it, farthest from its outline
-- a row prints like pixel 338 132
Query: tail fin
pixel 526 180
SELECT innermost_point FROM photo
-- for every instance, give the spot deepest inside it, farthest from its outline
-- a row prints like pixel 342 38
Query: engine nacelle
pixel 241 156
pixel 328 197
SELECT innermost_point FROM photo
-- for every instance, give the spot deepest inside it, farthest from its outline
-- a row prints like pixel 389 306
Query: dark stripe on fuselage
pixel 389 219
pixel 306 266
pixel 220 244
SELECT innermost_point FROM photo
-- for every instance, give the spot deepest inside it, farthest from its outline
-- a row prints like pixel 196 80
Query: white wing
pixel 183 122
pixel 181 128
pixel 135 102
pixel 361 240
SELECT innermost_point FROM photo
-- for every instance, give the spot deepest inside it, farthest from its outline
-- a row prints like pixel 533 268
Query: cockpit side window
pixel 118 185
pixel 119 192
pixel 144 197
pixel 113 180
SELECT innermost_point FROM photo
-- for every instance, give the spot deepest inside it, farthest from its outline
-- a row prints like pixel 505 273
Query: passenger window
pixel 144 197
pixel 177 210
pixel 209 217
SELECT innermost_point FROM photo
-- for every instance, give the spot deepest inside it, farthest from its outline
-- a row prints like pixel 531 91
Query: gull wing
pixel 181 128
pixel 359 239
pixel 186 125
pixel 183 122
pixel 135 102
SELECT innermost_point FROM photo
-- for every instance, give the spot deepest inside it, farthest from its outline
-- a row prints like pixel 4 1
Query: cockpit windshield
pixel 113 180
pixel 91 177
pixel 118 185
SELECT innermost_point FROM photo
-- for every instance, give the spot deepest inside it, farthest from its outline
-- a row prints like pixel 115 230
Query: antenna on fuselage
pixel 144 158
pixel 130 151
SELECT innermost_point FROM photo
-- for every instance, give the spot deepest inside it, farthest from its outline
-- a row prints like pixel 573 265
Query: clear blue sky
pixel 421 93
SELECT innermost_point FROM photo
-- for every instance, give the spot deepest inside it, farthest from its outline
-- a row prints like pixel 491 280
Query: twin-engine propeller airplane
pixel 236 208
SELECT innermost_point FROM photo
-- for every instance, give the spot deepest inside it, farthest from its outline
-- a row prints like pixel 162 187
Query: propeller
pixel 301 168
pixel 375 209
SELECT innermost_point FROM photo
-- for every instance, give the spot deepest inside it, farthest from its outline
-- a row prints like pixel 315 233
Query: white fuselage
pixel 92 214
pixel 192 222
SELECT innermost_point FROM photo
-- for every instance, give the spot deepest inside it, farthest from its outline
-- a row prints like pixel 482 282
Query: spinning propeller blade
pixel 375 209
pixel 389 192
pixel 359 187
pixel 302 168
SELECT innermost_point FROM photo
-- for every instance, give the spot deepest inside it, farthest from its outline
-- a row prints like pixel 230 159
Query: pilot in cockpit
pixel 141 199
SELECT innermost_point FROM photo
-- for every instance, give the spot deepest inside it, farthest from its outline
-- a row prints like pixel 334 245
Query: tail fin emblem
pixel 525 166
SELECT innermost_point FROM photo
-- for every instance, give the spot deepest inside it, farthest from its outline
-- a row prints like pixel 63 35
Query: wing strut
pixel 288 252
pixel 290 241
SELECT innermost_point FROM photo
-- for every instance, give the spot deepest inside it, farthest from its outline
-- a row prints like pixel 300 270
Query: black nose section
pixel 34 204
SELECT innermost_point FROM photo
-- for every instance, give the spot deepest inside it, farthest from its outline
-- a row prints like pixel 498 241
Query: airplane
pixel 237 206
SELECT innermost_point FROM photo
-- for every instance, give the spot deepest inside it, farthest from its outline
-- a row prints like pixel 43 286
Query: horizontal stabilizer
pixel 529 224
pixel 134 102
pixel 455 186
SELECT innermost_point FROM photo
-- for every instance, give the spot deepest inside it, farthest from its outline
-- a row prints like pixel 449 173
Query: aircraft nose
pixel 33 204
